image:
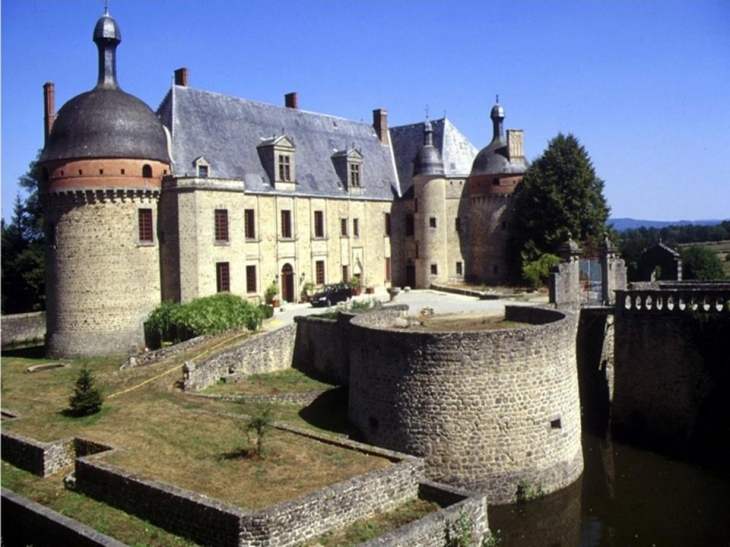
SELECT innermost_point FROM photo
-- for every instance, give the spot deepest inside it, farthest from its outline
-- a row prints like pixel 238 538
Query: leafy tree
pixel 86 398
pixel 535 272
pixel 700 263
pixel 23 266
pixel 256 427
pixel 559 196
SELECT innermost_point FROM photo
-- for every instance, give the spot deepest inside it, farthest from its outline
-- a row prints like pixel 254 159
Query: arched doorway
pixel 287 283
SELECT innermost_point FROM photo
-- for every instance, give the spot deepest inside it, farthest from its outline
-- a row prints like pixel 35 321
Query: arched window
pixel 147 171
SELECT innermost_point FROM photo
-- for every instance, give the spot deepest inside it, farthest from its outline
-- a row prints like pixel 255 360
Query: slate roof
pixel 227 130
pixel 456 150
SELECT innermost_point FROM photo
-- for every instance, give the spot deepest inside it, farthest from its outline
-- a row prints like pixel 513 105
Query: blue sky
pixel 644 85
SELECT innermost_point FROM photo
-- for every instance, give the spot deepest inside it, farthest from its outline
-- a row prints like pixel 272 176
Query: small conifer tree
pixel 86 398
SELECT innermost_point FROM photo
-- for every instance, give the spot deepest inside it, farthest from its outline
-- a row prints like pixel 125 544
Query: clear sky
pixel 643 85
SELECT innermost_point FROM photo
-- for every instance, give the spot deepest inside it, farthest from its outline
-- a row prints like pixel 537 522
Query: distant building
pixel 217 193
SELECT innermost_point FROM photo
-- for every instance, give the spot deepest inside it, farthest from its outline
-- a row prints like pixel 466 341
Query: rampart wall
pixel 486 409
pixel 264 352
pixel 23 328
pixel 672 366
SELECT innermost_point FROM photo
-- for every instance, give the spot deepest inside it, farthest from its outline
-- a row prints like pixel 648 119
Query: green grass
pixel 285 381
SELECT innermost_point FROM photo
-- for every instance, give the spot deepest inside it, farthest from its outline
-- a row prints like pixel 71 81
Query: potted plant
pixel 369 287
pixel 355 285
pixel 271 295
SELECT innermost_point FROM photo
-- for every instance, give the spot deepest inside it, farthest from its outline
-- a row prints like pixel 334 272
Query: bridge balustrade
pixel 674 300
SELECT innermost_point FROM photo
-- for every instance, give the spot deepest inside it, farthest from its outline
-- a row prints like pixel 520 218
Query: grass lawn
pixel 285 381
pixel 167 435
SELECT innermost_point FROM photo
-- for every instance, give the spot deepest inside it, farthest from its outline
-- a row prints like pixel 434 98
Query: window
pixel 459 268
pixel 146 233
pixel 284 168
pixel 146 171
pixel 251 279
pixel 355 175
pixel 387 224
pixel 223 277
pixel 345 274
pixel 417 253
pixel 319 272
pixel 343 227
pixel 203 171
pixel 434 269
pixel 356 227
pixel 387 268
pixel 504 225
pixel 250 226
pixel 432 222
pixel 286 224
pixel 202 167
pixel 319 224
pixel 409 225
pixel 221 225
pixel 415 205
pixel 457 224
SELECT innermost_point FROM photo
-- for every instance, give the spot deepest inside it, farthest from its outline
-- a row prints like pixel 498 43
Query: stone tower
pixel 429 213
pixel 495 174
pixel 100 178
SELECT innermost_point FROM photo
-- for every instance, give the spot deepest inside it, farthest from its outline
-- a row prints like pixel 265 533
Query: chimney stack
pixel 181 77
pixel 291 101
pixel 49 98
pixel 380 123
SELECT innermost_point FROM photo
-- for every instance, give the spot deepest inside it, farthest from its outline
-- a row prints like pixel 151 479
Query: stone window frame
pixel 355 227
pixel 410 225
pixel 432 222
pixel 348 165
pixel 145 226
pixel 220 227
pixel 319 272
pixel 343 227
pixel 287 230
pixel 223 277
pixel 319 224
pixel 434 268
pixel 388 269
pixel 387 228
pixel 251 279
pixel 249 227
pixel 459 268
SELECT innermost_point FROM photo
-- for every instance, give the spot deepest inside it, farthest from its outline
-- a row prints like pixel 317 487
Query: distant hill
pixel 621 224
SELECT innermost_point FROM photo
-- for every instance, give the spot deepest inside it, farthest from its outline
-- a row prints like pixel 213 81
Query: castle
pixel 215 193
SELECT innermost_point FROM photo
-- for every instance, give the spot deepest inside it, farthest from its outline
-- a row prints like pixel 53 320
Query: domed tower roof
pixel 428 160
pixel 494 158
pixel 106 122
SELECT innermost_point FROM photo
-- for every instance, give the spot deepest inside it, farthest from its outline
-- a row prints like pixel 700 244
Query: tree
pixel 700 263
pixel 23 266
pixel 560 196
pixel 86 398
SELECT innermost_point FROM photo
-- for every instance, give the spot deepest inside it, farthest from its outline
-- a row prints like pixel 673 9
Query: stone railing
pixel 674 300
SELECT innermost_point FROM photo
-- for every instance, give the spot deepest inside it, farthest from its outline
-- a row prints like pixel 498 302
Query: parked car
pixel 332 294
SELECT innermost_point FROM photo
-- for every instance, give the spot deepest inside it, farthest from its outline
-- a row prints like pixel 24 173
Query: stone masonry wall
pixel 265 352
pixel 486 409
pixel 23 328
pixel 212 522
pixel 42 459
pixel 28 523
pixel 320 349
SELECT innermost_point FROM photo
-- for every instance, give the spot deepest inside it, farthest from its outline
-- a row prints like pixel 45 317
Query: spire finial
pixel 106 7
pixel 426 112
pixel 497 98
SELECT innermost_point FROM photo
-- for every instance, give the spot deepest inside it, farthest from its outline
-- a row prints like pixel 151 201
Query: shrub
pixel 267 312
pixel 535 273
pixel 208 315
pixel 86 398
pixel 257 425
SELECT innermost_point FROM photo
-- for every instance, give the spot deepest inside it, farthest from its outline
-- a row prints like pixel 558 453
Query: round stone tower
pixel 100 178
pixel 430 213
pixel 495 174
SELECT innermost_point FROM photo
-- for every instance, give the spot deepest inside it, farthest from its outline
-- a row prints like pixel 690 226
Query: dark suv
pixel 332 294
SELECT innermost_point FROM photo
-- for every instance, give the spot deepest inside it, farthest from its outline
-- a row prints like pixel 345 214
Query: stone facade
pixel 486 409
pixel 23 328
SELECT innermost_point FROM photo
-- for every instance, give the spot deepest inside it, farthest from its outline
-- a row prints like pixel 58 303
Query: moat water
pixel 626 497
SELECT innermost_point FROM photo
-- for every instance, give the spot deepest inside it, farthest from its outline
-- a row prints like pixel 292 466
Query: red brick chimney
pixel 380 123
pixel 181 77
pixel 291 101
pixel 49 98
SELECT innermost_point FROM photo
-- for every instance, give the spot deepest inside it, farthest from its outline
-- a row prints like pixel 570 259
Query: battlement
pixel 679 297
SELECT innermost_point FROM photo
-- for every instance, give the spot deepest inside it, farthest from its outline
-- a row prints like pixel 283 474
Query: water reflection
pixel 627 496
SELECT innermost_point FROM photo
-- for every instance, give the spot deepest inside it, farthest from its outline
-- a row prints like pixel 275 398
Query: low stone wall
pixel 213 522
pixel 321 349
pixel 26 522
pixel 23 328
pixel 265 352
pixel 42 459
pixel 436 529
pixel 487 409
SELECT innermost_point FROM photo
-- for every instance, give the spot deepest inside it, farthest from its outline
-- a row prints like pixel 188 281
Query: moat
pixel 626 496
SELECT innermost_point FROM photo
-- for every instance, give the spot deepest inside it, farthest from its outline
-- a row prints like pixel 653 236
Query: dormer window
pixel 202 168
pixel 348 166
pixel 277 155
